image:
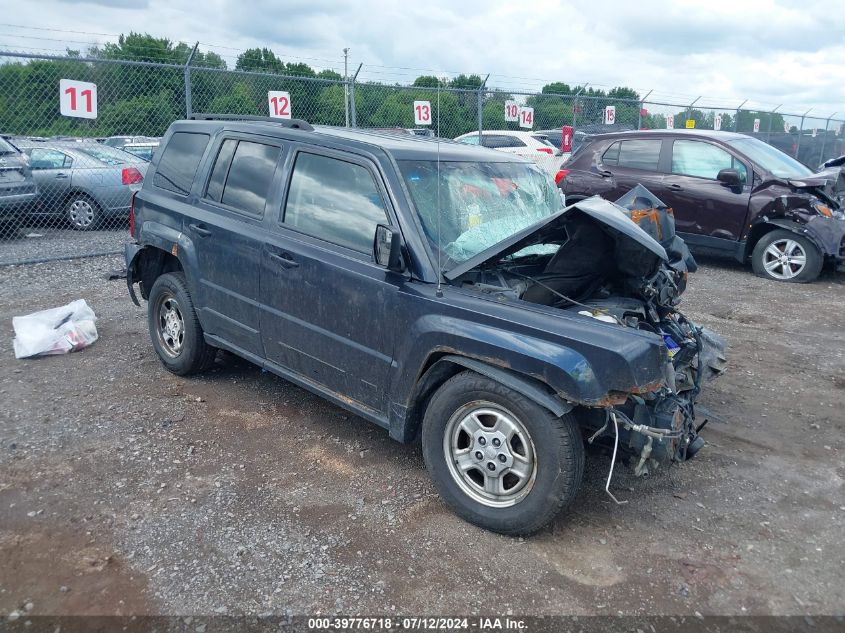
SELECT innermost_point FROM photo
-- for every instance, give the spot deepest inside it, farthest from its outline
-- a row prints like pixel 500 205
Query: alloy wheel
pixel 784 259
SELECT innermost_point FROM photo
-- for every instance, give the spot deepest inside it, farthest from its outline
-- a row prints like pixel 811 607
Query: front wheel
pixel 785 256
pixel 498 459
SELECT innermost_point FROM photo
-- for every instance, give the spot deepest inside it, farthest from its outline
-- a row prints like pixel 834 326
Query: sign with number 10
pixel 78 99
pixel 422 113
pixel 511 111
pixel 279 102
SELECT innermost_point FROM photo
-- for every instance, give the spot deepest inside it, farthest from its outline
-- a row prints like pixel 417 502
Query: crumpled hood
pixel 608 213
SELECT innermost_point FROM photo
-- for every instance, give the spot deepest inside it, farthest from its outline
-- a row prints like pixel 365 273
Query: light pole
pixel 346 84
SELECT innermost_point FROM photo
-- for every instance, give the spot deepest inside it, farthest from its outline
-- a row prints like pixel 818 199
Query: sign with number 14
pixel 526 117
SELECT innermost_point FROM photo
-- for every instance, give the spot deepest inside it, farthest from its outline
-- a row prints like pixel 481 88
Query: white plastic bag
pixel 55 331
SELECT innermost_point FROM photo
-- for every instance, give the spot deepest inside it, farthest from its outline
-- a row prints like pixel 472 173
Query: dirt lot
pixel 124 489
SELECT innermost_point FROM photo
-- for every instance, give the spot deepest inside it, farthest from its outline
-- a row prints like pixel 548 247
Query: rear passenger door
pixel 327 308
pixel 228 232
pixel 628 162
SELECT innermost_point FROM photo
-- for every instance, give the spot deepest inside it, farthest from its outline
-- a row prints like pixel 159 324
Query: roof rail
pixel 297 124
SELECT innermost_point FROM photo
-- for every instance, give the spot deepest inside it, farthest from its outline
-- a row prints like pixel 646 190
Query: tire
pixel 83 213
pixel 782 255
pixel 175 331
pixel 539 474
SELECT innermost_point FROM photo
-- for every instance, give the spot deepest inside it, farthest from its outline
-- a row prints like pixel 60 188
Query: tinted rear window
pixel 250 177
pixel 179 162
pixel 636 154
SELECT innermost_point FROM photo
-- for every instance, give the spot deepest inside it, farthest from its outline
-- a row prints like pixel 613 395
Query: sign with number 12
pixel 422 113
pixel 78 99
pixel 279 102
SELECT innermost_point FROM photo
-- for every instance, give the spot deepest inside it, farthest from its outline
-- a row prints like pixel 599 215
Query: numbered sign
pixel 279 103
pixel 566 139
pixel 690 124
pixel 814 132
pixel 78 99
pixel 610 115
pixel 670 122
pixel 786 127
pixel 422 113
pixel 717 122
pixel 511 111
pixel 526 117
pixel 756 125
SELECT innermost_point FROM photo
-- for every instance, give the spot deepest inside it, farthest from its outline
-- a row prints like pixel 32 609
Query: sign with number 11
pixel 77 99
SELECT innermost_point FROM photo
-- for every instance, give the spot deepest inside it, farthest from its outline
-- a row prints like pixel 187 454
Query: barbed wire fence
pixel 78 132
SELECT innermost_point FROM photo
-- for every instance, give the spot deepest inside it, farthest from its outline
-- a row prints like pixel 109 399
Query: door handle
pixel 200 230
pixel 604 173
pixel 675 187
pixel 285 260
pixel 61 176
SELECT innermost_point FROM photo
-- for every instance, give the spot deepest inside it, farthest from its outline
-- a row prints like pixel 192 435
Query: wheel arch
pixel 758 231
pixel 148 264
pixel 440 367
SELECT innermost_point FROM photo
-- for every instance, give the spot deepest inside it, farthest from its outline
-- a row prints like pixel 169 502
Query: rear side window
pixel 335 201
pixel 221 170
pixel 250 177
pixel 636 154
pixel 179 162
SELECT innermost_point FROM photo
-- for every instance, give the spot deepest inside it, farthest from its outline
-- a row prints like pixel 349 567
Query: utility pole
pixel 346 84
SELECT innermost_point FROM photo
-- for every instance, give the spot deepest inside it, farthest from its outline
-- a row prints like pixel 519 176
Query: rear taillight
pixel 560 175
pixel 131 176
pixel 132 214
pixel 546 150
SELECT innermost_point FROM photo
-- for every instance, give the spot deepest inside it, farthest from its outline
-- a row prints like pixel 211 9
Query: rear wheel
pixel 175 330
pixel 785 256
pixel 498 459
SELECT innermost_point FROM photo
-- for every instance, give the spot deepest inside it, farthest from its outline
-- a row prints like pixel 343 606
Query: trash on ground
pixel 56 331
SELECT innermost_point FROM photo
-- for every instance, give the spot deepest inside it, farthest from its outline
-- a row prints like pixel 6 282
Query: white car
pixel 531 145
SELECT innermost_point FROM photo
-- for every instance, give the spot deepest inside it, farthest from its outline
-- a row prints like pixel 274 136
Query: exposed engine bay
pixel 621 264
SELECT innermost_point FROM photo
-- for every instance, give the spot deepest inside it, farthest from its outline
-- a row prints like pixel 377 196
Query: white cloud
pixel 767 51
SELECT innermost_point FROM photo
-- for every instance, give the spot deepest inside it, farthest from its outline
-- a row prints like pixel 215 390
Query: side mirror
pixel 387 248
pixel 729 177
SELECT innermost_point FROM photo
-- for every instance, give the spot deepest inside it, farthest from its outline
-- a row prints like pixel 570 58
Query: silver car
pixel 85 182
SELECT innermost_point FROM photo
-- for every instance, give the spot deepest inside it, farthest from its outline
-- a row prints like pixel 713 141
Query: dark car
pixel 436 289
pixel 731 194
pixel 17 187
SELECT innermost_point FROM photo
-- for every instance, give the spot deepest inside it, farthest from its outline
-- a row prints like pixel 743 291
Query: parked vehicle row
pixel 534 146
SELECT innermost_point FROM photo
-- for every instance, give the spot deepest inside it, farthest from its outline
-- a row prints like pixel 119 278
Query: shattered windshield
pixel 770 158
pixel 480 203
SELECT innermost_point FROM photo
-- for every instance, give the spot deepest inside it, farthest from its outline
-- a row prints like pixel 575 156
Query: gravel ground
pixel 28 244
pixel 127 490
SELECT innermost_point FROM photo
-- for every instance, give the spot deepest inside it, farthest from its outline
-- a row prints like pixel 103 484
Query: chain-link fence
pixel 78 133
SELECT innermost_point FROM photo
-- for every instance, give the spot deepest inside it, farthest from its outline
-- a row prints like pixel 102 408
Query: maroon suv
pixel 731 194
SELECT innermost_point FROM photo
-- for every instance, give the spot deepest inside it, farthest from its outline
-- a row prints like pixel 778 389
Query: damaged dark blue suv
pixel 437 289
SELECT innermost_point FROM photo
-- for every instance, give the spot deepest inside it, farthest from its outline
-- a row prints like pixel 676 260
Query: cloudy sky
pixel 769 51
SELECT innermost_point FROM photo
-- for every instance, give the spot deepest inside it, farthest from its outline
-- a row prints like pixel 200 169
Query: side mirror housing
pixel 387 248
pixel 729 177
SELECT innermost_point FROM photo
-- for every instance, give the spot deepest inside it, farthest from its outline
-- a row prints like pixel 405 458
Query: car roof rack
pixel 297 124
